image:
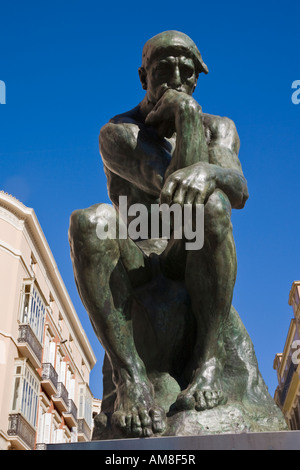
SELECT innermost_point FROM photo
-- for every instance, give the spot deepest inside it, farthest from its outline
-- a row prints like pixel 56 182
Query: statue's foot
pixel 199 400
pixel 136 413
pixel 201 394
pixel 140 421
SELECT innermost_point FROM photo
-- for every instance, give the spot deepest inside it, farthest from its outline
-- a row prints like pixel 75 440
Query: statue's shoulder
pixel 221 130
pixel 129 117
pixel 122 128
pixel 220 125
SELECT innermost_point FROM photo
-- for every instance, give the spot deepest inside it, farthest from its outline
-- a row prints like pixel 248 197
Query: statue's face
pixel 176 72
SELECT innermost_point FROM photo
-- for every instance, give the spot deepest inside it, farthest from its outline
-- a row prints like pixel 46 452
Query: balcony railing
pixel 61 397
pixel 83 430
pixel 71 414
pixel 49 378
pixel 29 345
pixel 20 431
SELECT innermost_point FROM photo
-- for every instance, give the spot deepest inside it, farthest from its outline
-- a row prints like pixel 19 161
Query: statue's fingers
pixel 167 192
pixel 190 196
pixel 179 194
pixel 154 116
pixel 199 198
pixel 151 119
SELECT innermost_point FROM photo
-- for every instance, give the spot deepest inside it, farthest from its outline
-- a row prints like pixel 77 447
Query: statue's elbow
pixel 244 198
pixel 104 135
pixel 107 143
pixel 239 199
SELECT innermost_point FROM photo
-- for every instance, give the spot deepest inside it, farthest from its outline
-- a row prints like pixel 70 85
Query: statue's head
pixel 170 60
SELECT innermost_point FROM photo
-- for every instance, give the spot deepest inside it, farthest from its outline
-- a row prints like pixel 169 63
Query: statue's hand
pixel 168 111
pixel 191 185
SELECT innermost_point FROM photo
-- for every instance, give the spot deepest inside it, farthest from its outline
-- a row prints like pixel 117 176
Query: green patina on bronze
pixel 178 358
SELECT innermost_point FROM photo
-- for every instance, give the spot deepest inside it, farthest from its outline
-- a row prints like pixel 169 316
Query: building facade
pixel 287 365
pixel 45 356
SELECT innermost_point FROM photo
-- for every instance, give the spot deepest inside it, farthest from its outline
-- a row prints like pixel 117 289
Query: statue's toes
pixel 200 400
pixel 185 401
pixel 118 420
pixel 212 398
pixel 146 423
pixel 134 423
pixel 207 399
pixel 158 417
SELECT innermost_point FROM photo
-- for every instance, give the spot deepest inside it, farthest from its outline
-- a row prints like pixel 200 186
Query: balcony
pixel 70 415
pixel 61 398
pixel 49 379
pixel 29 345
pixel 21 434
pixel 83 431
pixel 41 446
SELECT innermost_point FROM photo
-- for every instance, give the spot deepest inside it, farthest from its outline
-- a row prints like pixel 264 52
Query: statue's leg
pixel 210 275
pixel 105 272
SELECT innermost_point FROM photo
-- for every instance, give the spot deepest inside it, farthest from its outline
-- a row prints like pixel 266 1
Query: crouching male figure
pixel 165 150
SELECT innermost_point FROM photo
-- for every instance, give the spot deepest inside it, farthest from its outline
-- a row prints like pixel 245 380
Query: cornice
pixel 291 294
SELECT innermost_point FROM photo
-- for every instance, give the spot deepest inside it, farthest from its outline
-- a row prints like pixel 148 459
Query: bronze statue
pixel 174 344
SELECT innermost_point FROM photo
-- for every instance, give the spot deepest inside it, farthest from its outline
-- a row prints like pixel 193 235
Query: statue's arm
pixel 206 153
pixel 223 151
pixel 128 150
pixel 194 183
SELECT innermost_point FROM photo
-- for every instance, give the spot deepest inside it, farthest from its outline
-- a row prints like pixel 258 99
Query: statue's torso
pixel 216 129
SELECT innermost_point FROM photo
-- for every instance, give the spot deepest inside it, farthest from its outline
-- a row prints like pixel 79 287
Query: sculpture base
pixel 231 418
pixel 282 440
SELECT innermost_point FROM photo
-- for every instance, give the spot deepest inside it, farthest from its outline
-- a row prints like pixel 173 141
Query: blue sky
pixel 69 66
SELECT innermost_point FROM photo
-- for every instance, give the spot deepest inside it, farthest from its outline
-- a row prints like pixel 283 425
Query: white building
pixel 45 356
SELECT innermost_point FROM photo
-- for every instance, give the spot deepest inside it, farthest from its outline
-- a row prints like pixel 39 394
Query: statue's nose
pixel 175 80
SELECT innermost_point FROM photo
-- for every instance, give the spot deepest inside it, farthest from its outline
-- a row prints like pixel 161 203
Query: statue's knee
pixel 105 222
pixel 80 223
pixel 88 225
pixel 217 216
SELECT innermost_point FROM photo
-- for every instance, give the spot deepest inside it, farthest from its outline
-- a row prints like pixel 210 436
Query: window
pixel 25 392
pixel 70 383
pixel 85 404
pixel 60 367
pixel 49 431
pixel 49 349
pixel 33 310
pixel 60 436
pixel 45 428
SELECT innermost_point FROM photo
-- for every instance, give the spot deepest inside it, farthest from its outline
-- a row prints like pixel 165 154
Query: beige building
pixel 287 365
pixel 45 356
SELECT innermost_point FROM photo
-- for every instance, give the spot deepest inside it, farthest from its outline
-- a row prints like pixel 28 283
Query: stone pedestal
pixel 282 440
